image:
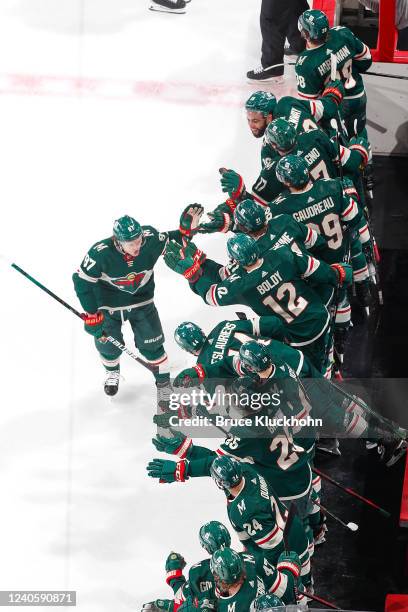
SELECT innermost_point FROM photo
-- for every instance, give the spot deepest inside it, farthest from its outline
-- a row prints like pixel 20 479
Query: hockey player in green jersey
pixel 115 283
pixel 257 515
pixel 316 148
pixel 313 66
pixel 325 206
pixel 276 282
pixel 200 588
pixel 261 107
pixel 239 584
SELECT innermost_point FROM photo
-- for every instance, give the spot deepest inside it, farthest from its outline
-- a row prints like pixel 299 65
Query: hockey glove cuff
pixel 344 273
pixel 232 183
pixel 361 145
pixel 93 323
pixel 335 90
pixel 289 561
pixel 178 445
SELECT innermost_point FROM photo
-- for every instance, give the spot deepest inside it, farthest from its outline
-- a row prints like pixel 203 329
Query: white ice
pixel 106 109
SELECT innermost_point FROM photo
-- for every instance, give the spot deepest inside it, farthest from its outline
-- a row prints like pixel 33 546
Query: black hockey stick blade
pixel 242 316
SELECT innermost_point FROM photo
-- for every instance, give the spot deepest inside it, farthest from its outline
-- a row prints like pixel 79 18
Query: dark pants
pixel 402 44
pixel 279 20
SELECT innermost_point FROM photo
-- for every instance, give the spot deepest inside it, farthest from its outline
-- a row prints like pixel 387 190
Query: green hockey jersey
pixel 258 518
pixel 277 284
pixel 110 279
pixel 324 207
pixel 313 66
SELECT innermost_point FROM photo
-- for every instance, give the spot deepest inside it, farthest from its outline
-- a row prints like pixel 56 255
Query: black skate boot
pixel 111 386
pixel 168 6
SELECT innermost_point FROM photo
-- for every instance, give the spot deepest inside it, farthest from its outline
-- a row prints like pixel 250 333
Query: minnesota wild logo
pixel 131 282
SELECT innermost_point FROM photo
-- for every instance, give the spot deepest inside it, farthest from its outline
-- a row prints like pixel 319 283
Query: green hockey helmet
pixel 267 603
pixel 226 566
pixel 226 472
pixel 213 536
pixel 254 357
pixel 314 23
pixel 249 216
pixel 190 337
pixel 243 249
pixel 262 102
pixel 281 135
pixel 293 170
pixel 126 229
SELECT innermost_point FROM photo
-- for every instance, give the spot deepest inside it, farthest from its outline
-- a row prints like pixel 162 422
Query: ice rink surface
pixel 106 109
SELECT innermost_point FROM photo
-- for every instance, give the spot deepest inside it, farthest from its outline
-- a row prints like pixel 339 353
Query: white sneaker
pixel 111 385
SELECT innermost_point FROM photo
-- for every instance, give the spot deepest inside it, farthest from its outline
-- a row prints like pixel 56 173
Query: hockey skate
pixel 391 451
pixel 168 6
pixel 111 385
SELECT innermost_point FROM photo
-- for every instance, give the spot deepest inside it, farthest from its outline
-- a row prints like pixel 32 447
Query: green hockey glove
pixel 168 471
pixel 186 261
pixel 232 183
pixel 190 376
pixel 219 222
pixel 334 90
pixel 178 445
pixel 168 419
pixel 159 605
pixel 360 144
pixel 93 323
pixel 204 605
pixel 175 564
pixel 344 272
pixel 190 219
pixel 348 186
pixel 289 561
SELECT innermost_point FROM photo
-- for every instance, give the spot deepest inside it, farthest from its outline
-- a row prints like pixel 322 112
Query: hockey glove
pixel 168 419
pixel 186 261
pixel 159 605
pixel 93 323
pixel 344 272
pixel 289 561
pixel 168 471
pixel 178 445
pixel 357 143
pixel 204 605
pixel 190 376
pixel 175 564
pixel 348 186
pixel 335 90
pixel 190 219
pixel 232 183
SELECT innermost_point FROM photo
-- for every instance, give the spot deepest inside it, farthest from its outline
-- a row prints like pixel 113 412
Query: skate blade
pixel 398 453
pixel 335 452
pixel 163 9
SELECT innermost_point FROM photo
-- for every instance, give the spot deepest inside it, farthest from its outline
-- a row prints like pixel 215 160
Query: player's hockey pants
pixel 148 336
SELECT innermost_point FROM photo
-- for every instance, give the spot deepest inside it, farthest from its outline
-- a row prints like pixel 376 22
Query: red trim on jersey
pixel 268 537
pixel 349 209
pixel 308 96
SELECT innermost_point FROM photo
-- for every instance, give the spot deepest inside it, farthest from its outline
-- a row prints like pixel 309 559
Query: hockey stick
pixel 350 526
pixel 288 524
pixel 353 493
pixel 110 339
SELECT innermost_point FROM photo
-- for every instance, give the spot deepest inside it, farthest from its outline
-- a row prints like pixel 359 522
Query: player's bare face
pixel 257 123
pixel 132 247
